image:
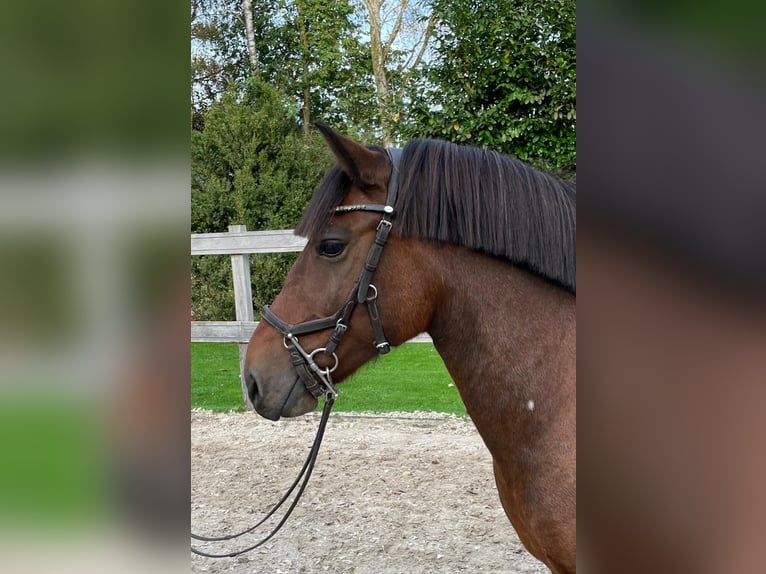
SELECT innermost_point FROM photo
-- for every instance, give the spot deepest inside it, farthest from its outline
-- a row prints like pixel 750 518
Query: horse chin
pixel 297 401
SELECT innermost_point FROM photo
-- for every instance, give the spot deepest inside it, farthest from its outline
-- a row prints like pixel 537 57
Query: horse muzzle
pixel 278 395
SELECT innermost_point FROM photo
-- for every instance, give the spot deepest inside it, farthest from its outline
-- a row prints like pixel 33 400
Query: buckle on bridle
pixel 385 222
pixel 341 327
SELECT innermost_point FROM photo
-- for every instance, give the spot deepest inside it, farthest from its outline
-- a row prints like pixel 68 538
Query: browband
pixel 394 154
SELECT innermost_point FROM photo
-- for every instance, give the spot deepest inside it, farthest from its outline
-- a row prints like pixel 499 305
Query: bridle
pixel 318 381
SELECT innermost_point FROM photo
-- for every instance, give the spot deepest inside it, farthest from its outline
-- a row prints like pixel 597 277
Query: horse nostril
pixel 252 394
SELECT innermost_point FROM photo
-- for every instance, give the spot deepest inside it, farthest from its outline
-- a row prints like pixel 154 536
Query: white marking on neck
pixel 530 405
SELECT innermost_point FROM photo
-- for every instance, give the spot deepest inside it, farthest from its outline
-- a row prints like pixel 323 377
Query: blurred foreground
pixel 672 278
pixel 94 208
pixel 94 401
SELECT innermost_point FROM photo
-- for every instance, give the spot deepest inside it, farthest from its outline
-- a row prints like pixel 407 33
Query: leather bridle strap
pixel 316 379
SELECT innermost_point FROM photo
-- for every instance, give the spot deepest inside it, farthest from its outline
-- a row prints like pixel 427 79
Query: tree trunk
pixel 380 51
pixel 247 7
pixel 305 69
pixel 379 67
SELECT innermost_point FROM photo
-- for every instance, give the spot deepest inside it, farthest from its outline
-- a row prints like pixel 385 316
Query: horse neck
pixel 507 338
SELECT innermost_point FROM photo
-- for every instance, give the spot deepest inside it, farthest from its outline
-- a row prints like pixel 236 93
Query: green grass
pixel 52 471
pixel 215 377
pixel 410 378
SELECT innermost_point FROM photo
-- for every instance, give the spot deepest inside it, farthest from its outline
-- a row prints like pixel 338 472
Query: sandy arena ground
pixel 390 494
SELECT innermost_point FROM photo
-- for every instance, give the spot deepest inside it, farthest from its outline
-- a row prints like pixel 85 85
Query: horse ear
pixel 362 165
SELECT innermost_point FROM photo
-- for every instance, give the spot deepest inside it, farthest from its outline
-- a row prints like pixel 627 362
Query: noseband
pixel 318 380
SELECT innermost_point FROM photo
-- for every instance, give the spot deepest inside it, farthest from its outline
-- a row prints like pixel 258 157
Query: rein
pixel 318 380
pixel 305 474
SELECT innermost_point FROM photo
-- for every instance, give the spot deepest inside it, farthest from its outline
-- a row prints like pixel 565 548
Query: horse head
pixel 328 286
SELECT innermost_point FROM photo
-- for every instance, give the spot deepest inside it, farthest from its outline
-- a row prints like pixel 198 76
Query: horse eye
pixel 331 248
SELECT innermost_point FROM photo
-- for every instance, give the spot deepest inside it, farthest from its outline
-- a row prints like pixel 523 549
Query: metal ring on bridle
pixel 322 350
pixel 374 292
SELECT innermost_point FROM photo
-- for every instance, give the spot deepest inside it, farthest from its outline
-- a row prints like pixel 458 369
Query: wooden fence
pixel 239 243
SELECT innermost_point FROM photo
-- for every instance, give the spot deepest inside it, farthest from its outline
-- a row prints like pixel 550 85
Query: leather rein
pixel 318 380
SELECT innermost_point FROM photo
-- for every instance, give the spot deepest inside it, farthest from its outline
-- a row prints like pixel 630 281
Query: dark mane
pixel 476 198
pixel 490 202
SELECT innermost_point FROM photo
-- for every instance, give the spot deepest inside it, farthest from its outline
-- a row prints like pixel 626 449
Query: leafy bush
pixel 503 77
pixel 252 166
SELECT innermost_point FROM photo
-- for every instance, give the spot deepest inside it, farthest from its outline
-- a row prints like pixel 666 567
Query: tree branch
pixel 395 31
pixel 247 8
pixel 406 69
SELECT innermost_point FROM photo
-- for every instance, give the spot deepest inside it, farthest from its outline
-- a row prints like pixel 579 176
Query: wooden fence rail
pixel 239 243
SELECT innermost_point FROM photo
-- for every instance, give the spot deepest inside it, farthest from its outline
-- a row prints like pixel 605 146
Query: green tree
pixel 399 32
pixel 309 49
pixel 219 52
pixel 503 77
pixel 251 165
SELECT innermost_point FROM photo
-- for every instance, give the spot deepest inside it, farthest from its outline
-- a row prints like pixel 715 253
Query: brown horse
pixel 481 255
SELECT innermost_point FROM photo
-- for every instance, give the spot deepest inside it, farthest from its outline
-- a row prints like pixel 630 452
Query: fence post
pixel 243 299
